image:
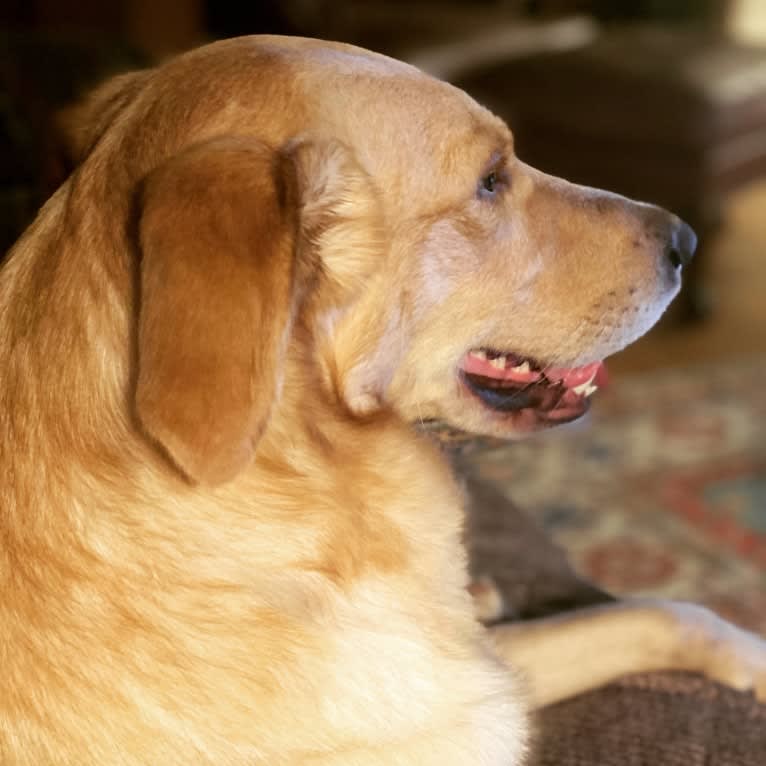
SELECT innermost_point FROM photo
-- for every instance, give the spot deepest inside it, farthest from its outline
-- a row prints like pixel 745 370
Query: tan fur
pixel 221 542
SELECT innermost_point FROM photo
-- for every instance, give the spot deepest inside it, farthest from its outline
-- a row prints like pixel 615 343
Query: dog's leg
pixel 576 651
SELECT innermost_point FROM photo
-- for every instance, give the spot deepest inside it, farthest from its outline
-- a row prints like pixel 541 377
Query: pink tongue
pixel 576 376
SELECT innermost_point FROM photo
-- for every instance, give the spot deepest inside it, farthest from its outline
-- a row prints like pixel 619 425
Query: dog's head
pixel 303 200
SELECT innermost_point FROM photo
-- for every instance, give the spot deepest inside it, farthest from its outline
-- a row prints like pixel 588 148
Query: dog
pixel 222 540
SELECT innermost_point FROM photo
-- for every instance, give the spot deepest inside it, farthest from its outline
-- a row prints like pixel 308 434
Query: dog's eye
pixel 490 184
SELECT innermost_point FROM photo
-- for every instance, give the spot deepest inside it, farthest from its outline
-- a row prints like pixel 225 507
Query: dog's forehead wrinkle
pixel 498 158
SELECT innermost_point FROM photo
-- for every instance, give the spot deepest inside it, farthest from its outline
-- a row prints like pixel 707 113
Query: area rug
pixel 660 491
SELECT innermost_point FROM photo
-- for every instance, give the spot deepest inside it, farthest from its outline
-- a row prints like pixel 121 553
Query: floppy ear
pixel 232 233
pixel 220 286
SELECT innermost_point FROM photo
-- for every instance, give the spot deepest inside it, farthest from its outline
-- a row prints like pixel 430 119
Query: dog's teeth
pixel 523 368
pixel 585 389
pixel 581 389
pixel 480 355
pixel 498 363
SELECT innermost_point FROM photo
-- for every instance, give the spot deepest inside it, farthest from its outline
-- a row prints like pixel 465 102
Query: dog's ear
pixel 232 235
pixel 78 126
pixel 219 289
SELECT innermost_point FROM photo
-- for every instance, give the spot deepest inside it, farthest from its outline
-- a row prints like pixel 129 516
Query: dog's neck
pixel 68 382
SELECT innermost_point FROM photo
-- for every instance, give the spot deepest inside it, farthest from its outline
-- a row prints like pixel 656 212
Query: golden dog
pixel 221 541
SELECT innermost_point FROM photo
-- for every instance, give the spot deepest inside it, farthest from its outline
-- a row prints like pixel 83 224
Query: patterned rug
pixel 661 491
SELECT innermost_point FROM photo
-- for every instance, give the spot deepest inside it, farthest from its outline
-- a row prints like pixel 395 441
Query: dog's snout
pixel 681 244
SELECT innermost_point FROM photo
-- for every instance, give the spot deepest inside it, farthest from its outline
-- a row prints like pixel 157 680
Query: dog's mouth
pixel 507 383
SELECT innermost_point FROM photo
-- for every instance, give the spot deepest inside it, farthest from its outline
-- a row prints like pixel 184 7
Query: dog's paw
pixel 724 652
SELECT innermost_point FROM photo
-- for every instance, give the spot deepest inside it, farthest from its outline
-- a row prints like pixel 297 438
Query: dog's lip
pixel 507 383
pixel 510 368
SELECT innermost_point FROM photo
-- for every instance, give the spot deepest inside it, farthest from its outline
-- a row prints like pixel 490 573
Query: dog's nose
pixel 681 245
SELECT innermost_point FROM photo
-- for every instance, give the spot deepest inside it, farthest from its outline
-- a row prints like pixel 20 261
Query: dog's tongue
pixel 595 372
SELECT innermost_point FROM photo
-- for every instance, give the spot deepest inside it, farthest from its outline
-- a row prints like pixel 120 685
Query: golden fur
pixel 221 542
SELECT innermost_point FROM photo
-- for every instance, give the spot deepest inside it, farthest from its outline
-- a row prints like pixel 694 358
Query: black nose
pixel 681 245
